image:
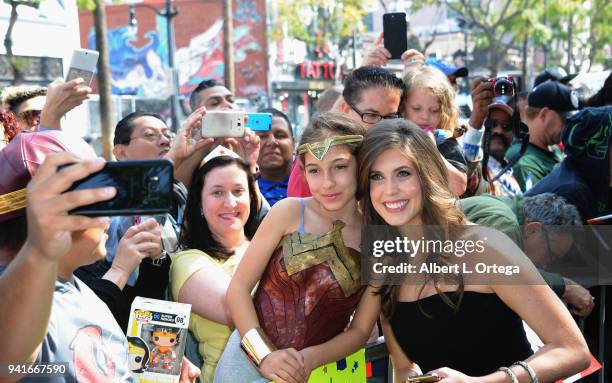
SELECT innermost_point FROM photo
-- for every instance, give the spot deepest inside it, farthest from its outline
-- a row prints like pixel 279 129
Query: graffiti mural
pixel 203 58
pixel 137 71
pixel 143 70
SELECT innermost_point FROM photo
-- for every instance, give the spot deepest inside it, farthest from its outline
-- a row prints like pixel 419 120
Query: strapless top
pixel 478 338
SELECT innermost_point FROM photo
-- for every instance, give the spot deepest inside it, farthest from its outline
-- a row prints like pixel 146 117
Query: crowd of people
pixel 264 237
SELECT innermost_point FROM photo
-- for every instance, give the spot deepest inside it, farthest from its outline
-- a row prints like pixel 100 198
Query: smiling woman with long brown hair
pixel 463 329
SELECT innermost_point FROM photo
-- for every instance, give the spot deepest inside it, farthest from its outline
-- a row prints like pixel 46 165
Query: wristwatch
pixel 159 260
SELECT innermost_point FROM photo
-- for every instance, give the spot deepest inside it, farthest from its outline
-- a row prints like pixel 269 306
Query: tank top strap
pixel 303 207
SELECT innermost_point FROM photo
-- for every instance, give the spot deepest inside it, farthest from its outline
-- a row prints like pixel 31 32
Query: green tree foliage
pixel 600 33
pixel 86 5
pixel 572 32
pixel 17 64
pixel 320 22
pixel 498 25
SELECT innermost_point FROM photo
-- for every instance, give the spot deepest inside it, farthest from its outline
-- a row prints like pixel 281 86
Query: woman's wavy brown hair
pixel 439 205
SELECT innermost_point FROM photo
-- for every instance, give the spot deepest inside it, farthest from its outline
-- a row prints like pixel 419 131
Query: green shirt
pixel 506 215
pixel 501 213
pixel 534 165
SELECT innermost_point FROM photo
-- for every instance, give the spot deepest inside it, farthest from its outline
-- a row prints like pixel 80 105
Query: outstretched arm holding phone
pixel 38 261
pixel 61 98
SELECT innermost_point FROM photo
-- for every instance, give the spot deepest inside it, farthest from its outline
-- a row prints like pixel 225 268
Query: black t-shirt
pixel 565 181
pixel 453 153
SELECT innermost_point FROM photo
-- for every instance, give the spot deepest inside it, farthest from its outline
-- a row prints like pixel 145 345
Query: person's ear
pixel 543 115
pixel 119 151
pixel 531 228
pixel 344 107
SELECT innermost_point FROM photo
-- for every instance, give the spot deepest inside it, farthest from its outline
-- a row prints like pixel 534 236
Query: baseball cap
pixel 446 68
pixel 22 157
pixel 554 95
pixel 499 103
pixel 587 133
pixel 554 74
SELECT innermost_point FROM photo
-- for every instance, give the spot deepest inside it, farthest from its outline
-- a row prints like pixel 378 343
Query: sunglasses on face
pixel 29 115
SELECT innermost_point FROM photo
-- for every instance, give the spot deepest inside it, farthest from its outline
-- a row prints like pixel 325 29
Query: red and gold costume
pixel 309 289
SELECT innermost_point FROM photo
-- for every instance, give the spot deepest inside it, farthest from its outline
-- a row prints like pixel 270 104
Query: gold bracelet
pixel 256 344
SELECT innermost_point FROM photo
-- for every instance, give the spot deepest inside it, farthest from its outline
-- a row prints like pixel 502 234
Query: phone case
pixel 259 122
pixel 83 64
pixel 143 188
pixel 223 124
pixel 396 39
pixel 76 72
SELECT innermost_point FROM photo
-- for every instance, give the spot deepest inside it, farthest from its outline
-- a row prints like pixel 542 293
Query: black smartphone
pixel 396 38
pixel 143 188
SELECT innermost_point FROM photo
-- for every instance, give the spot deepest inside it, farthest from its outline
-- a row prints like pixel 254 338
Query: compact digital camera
pixel 503 86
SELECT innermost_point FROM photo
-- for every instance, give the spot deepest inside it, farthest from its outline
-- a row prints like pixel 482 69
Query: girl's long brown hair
pixel 330 124
pixel 439 205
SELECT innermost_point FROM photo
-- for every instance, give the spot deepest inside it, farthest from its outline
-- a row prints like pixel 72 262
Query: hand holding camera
pixel 377 54
pixel 247 147
pixel 142 188
pixel 49 225
pixel 503 86
pixel 484 90
pixel 229 128
pixel 482 97
pixel 218 124
pixel 61 98
pixel 188 139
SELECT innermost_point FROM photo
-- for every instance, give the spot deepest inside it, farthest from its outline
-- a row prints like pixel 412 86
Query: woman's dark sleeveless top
pixel 483 335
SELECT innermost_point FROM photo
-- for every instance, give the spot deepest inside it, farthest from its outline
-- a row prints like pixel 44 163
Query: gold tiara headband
pixel 320 149
pixel 12 201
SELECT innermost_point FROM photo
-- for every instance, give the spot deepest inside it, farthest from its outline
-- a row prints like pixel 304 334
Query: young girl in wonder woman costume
pixel 305 256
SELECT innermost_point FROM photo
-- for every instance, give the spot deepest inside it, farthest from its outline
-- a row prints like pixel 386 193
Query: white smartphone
pixel 223 124
pixel 83 64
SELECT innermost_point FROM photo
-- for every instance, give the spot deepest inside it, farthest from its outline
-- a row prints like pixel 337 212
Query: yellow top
pixel 211 336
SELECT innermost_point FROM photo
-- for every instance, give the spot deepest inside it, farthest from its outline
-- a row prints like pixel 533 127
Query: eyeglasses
pixel 155 136
pixel 551 254
pixel 505 126
pixel 371 118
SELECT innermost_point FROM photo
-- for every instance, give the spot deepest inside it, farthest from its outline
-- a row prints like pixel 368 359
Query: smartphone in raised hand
pixel 143 188
pixel 259 122
pixel 218 124
pixel 83 64
pixel 395 34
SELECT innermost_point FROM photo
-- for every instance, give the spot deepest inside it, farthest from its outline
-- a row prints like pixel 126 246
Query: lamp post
pixel 169 12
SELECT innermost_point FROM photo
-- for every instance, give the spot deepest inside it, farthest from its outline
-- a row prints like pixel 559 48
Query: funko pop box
pixel 157 332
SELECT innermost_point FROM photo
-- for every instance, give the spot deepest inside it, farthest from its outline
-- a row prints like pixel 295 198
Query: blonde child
pixel 429 103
